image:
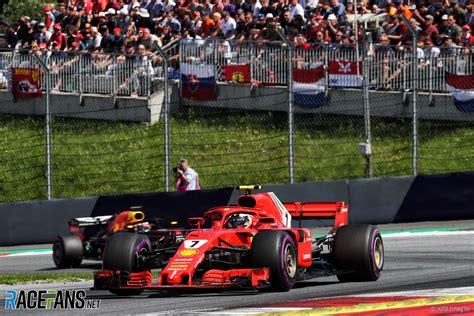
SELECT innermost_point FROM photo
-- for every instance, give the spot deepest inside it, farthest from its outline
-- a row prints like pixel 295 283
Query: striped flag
pixel 198 82
pixel 308 87
pixel 344 74
pixel 462 89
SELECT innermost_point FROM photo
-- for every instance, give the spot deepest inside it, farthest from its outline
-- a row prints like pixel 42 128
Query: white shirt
pixel 228 25
pixel 297 9
pixel 192 178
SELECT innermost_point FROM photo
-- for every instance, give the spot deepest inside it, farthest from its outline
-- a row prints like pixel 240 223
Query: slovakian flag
pixel 236 73
pixel 25 83
pixel 462 89
pixel 308 87
pixel 198 82
pixel 344 74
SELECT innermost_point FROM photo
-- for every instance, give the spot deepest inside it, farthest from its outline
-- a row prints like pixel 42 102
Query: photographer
pixel 186 178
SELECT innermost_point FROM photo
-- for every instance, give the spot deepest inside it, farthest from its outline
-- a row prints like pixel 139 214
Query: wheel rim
pixel 378 253
pixel 290 260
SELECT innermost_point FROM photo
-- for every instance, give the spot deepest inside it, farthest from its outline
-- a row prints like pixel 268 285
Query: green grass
pixel 21 278
pixel 92 157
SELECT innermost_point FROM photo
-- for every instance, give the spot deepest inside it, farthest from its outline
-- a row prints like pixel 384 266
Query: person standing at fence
pixel 187 179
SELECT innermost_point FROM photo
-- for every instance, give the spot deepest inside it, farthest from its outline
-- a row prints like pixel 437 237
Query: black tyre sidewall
pixel 354 250
pixel 268 250
pixel 121 250
pixel 71 250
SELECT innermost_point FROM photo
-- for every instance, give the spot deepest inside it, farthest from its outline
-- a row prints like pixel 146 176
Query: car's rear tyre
pixel 68 252
pixel 277 251
pixel 121 253
pixel 359 250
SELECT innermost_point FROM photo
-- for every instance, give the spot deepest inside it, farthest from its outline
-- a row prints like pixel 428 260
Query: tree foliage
pixel 15 9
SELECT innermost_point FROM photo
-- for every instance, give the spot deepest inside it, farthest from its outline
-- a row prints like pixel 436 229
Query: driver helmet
pixel 239 220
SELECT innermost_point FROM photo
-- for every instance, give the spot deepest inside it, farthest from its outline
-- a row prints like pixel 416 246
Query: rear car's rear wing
pixel 89 221
pixel 319 210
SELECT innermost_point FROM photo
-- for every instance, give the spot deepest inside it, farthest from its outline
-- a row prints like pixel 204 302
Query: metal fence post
pixel 291 155
pixel 49 182
pixel 415 91
pixel 368 137
pixel 166 109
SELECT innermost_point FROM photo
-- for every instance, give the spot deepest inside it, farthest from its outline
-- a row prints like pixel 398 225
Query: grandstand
pixel 256 93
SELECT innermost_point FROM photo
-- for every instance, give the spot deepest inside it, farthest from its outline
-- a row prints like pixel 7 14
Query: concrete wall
pixel 375 201
pixel 102 107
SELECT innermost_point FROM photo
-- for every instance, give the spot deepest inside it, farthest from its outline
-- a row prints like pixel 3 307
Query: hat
pixel 217 14
pixel 79 36
pixel 42 45
pixel 103 28
pixel 110 11
pixel 93 29
pixel 118 30
pixel 413 7
pixel 225 13
pixel 240 11
pixel 135 5
pixel 101 14
pixel 331 17
pixel 87 30
pixel 196 13
pixel 75 44
pixel 261 15
pixel 466 27
pixel 46 8
pixel 144 13
pixel 269 16
pixel 319 17
pixel 57 26
pixel 444 17
pixel 41 25
pixel 429 17
pixel 123 11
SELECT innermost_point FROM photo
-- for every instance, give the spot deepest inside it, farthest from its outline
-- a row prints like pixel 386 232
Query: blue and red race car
pixel 250 245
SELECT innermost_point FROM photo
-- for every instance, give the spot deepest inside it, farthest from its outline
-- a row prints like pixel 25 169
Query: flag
pixel 198 82
pixel 462 89
pixel 236 73
pixel 344 74
pixel 308 87
pixel 25 83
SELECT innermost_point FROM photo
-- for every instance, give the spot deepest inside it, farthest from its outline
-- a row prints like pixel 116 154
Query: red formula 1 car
pixel 251 245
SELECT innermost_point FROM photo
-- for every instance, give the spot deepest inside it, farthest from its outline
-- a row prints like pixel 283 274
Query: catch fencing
pixel 255 133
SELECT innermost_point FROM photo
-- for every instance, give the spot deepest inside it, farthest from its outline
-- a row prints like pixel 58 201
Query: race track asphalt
pixel 417 262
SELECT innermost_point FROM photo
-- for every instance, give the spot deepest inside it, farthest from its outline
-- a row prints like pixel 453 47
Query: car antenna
pixel 248 188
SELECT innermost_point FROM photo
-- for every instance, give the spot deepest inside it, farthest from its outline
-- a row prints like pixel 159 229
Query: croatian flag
pixel 308 87
pixel 198 82
pixel 462 89
pixel 344 74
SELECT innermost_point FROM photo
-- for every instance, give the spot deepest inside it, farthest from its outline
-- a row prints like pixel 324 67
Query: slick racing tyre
pixel 121 253
pixel 68 252
pixel 358 249
pixel 277 251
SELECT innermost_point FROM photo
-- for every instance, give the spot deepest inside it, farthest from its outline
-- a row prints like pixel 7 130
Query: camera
pixel 175 169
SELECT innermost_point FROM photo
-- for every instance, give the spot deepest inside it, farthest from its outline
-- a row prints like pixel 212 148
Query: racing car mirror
pixel 196 221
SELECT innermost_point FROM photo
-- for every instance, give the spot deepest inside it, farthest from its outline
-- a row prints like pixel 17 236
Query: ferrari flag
pixel 308 87
pixel 344 74
pixel 462 89
pixel 25 83
pixel 198 82
pixel 236 73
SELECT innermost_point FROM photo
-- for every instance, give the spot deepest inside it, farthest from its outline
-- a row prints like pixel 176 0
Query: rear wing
pixel 89 221
pixel 319 210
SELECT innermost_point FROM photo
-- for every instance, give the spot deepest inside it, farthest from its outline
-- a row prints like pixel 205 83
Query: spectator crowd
pixel 131 26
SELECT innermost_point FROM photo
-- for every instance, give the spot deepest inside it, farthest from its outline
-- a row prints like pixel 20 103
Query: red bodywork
pixel 267 212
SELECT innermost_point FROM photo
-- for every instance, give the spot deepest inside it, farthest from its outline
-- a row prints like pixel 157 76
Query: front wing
pixel 212 279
